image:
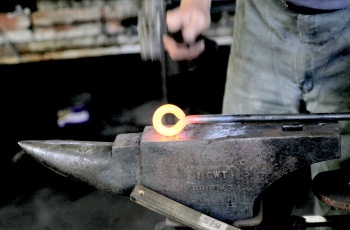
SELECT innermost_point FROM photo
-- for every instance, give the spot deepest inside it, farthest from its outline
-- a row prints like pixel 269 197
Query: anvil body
pixel 216 169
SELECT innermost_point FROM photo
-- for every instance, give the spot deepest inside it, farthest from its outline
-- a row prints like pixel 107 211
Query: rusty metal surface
pixel 220 169
pixel 216 169
pixel 333 188
pixel 108 166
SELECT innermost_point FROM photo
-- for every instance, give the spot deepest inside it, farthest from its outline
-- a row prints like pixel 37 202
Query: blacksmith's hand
pixel 191 18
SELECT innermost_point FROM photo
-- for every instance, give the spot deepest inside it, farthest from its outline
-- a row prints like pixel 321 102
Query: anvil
pixel 218 169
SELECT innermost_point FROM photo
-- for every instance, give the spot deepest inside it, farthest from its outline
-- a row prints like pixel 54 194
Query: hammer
pixel 151 27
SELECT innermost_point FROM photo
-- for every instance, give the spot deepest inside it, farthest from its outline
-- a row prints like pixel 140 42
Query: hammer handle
pixel 177 67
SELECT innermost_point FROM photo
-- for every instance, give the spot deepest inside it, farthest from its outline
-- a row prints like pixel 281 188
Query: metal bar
pixel 176 211
pixel 192 119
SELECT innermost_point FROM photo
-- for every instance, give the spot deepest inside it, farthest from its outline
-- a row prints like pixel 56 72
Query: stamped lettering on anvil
pixel 211 187
pixel 215 181
pixel 214 200
pixel 215 174
pixel 210 223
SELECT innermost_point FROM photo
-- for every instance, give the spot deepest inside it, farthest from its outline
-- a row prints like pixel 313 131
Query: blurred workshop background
pixel 71 69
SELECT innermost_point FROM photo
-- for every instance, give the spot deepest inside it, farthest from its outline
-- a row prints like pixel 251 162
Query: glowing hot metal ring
pixel 168 130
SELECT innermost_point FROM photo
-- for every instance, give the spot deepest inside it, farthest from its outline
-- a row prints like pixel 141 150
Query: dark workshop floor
pixel 120 93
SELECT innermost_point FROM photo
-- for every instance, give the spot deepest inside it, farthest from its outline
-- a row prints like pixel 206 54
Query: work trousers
pixel 281 59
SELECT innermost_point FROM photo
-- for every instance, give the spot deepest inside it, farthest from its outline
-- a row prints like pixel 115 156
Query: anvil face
pixel 220 169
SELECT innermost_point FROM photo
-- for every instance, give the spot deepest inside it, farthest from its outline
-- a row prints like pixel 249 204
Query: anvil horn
pixel 94 163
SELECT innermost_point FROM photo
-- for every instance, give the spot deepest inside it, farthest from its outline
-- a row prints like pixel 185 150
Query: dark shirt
pixel 321 4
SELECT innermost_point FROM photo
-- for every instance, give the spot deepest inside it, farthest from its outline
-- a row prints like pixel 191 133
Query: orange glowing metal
pixel 169 130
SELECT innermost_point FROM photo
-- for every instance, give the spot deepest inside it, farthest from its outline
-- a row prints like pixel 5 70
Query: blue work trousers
pixel 280 58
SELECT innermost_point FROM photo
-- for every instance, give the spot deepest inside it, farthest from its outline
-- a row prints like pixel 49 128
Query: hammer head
pixel 151 26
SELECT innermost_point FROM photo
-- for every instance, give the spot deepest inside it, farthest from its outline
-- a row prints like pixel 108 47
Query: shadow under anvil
pixel 50 208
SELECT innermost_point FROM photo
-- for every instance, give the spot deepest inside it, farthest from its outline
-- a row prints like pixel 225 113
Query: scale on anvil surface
pixel 210 174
